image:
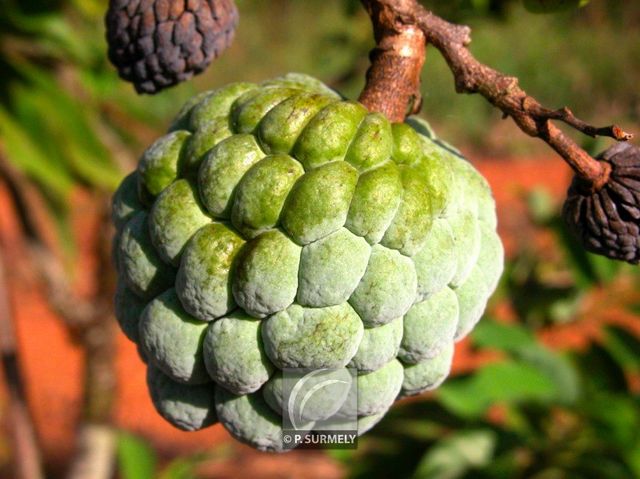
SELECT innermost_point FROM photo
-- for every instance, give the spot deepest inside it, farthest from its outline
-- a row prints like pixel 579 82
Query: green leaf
pixel 616 419
pixel 55 34
pixel 481 5
pixel 503 382
pixel 523 346
pixel 457 454
pixel 181 468
pixel 28 109
pixel 136 459
pixel 556 368
pixel 624 347
pixel 67 128
pixel 633 458
pixel 418 428
pixel 25 154
pixel 552 6
pixel 601 371
pixel 605 269
pixel 502 336
pixel 75 113
pixel 579 259
pixel 541 205
pixel 185 467
pixel 93 172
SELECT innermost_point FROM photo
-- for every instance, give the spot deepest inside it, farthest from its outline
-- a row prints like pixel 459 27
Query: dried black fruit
pixel 607 221
pixel 158 43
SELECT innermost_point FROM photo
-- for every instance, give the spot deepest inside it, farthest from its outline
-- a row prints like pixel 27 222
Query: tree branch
pixel 500 90
pixel 28 463
pixel 89 321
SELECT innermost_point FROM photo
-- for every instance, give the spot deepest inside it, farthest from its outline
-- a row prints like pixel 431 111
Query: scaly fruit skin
pixel 280 226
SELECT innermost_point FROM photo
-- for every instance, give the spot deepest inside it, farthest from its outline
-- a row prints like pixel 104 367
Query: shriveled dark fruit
pixel 155 44
pixel 607 221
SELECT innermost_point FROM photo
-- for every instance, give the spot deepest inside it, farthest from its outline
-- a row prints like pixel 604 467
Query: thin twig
pixel 500 90
pixel 565 115
pixel 77 313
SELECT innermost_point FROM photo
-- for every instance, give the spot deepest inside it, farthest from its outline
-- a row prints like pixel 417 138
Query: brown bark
pixel 393 80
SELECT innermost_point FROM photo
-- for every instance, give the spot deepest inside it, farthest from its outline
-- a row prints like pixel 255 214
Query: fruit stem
pixel 393 79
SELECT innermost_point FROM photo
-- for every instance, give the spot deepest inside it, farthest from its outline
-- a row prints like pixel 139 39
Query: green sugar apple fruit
pixel 279 226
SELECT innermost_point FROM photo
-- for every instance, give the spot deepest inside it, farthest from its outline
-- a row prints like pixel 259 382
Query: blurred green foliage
pixel 138 460
pixel 55 92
